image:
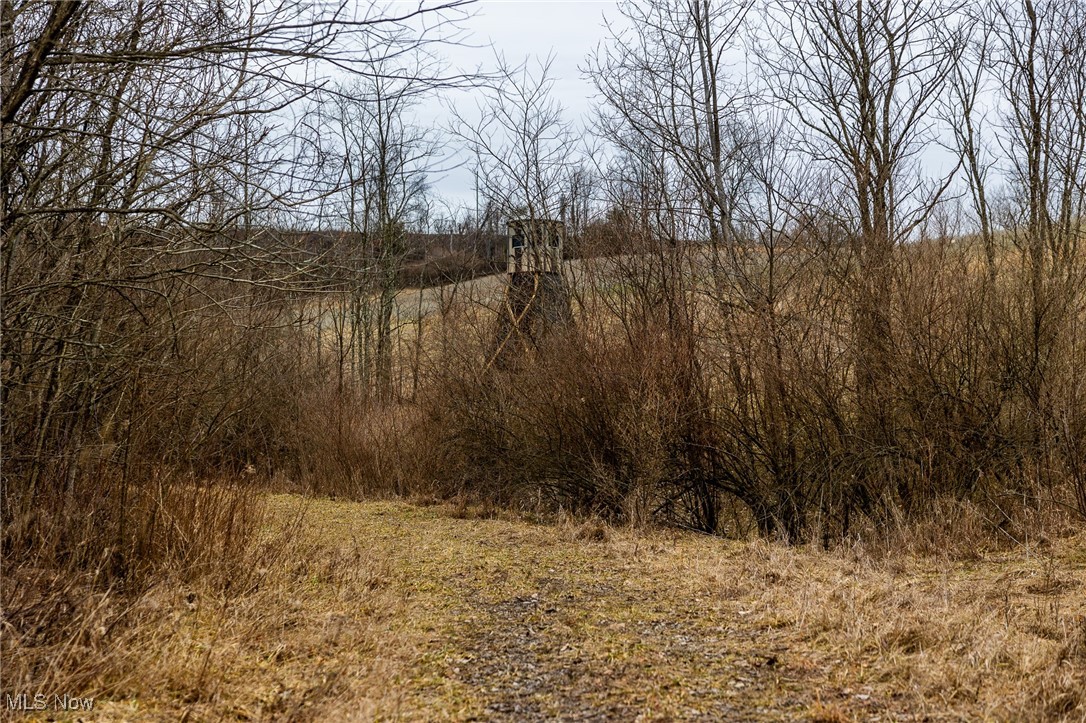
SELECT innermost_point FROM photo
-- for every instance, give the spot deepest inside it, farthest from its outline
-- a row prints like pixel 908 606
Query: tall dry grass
pixel 134 469
pixel 691 390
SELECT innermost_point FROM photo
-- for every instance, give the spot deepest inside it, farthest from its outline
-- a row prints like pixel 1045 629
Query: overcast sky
pixel 536 28
pixel 532 30
pixel 529 30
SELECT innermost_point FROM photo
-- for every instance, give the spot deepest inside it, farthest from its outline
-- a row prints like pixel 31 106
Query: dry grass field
pixel 389 610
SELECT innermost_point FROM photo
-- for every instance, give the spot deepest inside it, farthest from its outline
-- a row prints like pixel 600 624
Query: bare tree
pixel 379 159
pixel 1038 58
pixel 966 117
pixel 522 146
pixel 862 81
pixel 147 158
pixel 662 76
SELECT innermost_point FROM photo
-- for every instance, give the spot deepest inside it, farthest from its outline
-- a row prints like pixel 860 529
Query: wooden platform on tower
pixel 536 295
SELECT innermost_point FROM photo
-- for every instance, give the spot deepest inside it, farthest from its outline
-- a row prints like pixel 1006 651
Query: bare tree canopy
pixel 150 165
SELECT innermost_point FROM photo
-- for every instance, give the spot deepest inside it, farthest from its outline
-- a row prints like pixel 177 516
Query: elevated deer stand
pixel 536 298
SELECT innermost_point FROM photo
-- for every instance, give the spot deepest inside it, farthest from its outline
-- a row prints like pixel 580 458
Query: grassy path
pixel 506 620
pixel 391 611
pixel 532 624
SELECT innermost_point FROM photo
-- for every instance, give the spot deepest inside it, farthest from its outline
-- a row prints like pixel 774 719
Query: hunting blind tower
pixel 535 296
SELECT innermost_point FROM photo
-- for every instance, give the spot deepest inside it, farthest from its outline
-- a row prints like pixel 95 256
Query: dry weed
pixel 305 628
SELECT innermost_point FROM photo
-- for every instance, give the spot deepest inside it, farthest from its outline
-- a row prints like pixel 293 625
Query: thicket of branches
pixel 157 184
pixel 831 267
pixel 816 322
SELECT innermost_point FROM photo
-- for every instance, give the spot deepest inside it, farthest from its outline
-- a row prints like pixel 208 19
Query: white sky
pixel 532 30
pixel 569 29
pixel 529 30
